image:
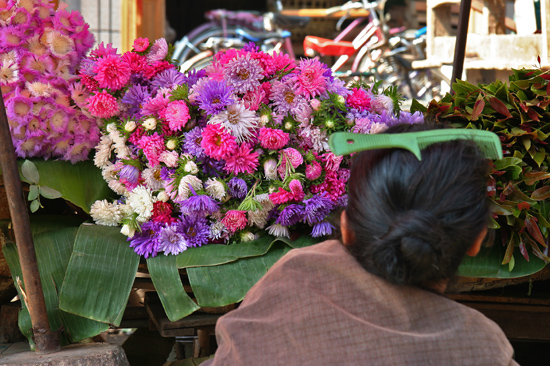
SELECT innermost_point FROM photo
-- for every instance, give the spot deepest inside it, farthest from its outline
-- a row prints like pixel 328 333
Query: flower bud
pixel 191 167
pixel 128 230
pixel 315 104
pixel 171 144
pixel 163 196
pixel 329 123
pixel 270 169
pixel 130 126
pixel 288 126
pixel 150 123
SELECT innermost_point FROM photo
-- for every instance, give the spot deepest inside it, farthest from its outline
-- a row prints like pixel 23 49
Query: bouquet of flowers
pixel 40 50
pixel 226 153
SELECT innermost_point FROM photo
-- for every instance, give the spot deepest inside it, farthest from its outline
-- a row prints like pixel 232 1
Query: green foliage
pixel 519 184
pixel 30 173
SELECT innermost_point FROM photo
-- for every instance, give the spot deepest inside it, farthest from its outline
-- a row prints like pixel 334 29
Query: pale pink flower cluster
pixel 40 48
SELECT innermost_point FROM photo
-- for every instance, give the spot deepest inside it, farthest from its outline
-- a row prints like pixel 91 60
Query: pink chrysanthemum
pixel 156 68
pixel 102 51
pixel 332 162
pixel 112 72
pixel 59 44
pixel 216 142
pixel 273 139
pixel 103 105
pixel 313 170
pixel 243 73
pixel 177 114
pixel 235 220
pixel 158 51
pixel 359 99
pixel 291 155
pixel 162 212
pixel 153 147
pixel 296 193
pixel 137 63
pixel 153 106
pixel 283 62
pixel 241 160
pixel 311 81
pixel 332 184
pixel 141 44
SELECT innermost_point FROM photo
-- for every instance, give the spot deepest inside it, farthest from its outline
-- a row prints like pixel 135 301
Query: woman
pixel 376 296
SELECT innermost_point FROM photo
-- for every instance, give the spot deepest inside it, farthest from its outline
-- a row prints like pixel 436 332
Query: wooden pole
pixel 45 340
pixel 460 44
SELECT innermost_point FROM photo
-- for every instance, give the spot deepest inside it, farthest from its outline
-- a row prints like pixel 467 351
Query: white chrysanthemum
pixel 238 121
pixel 215 188
pixel 278 231
pixel 265 201
pixel 152 178
pixel 170 158
pixel 128 230
pixel 150 123
pixel 130 126
pixel 141 201
pixel 258 218
pixel 218 230
pixel 191 167
pixel 117 187
pixel 105 213
pixel 163 196
pixel 103 152
pixel 318 138
pixel 270 169
pixel 183 189
pixel 110 171
pixel 125 210
pixel 111 128
pixel 382 103
pixel 247 236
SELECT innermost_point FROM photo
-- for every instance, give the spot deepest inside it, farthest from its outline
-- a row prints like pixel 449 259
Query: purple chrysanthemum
pixel 146 243
pixel 286 98
pixel 322 228
pixel 291 215
pixel 198 205
pixel 211 167
pixel 195 230
pixel 172 241
pixel 411 118
pixel 237 188
pixel 130 173
pixel 135 97
pixel 317 208
pixel 243 73
pixel 192 143
pixel 166 173
pixel 168 79
pixel 250 47
pixel 193 76
pixel 213 95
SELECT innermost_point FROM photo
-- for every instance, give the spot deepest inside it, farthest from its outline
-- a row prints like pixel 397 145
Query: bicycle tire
pixel 194 44
pixel 199 61
pixel 429 84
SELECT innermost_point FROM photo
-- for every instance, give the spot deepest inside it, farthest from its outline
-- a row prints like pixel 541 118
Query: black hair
pixel 413 221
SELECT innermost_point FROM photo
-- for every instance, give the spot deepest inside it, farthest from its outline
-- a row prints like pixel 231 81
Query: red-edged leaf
pixel 524 206
pixel 523 250
pixel 533 176
pixel 509 252
pixel 498 106
pixel 533 115
pixel 545 76
pixel 541 194
pixel 536 250
pixel 478 108
pixel 534 230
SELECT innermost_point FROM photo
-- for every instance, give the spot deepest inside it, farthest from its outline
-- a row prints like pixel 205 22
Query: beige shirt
pixel 318 306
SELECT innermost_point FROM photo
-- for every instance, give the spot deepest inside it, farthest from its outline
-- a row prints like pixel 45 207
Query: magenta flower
pixel 359 99
pixel 235 220
pixel 112 72
pixel 177 115
pixel 313 170
pixel 153 147
pixel 273 139
pixel 217 143
pixel 103 105
pixel 241 160
pixel 158 51
pixel 243 73
pixel 141 44
pixel 311 81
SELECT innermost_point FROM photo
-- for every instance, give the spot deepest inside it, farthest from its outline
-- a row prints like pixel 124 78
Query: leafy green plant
pixel 519 184
pixel 30 173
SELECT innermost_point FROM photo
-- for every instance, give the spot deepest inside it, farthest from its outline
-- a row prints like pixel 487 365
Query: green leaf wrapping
pixel 100 274
pixel 167 281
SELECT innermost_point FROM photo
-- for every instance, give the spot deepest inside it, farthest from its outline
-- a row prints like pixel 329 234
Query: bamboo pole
pixel 45 340
pixel 462 35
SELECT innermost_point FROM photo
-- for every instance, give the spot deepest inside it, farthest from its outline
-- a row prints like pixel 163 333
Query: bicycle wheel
pixel 389 71
pixel 199 61
pixel 429 84
pixel 192 47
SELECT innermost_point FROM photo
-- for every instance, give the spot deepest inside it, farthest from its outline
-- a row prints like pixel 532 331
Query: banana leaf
pixel 53 239
pixel 100 274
